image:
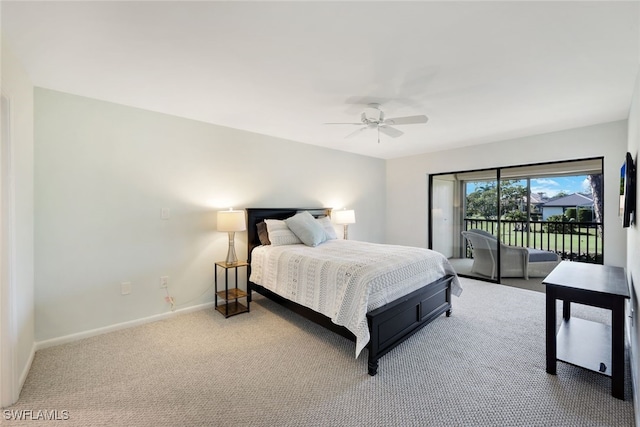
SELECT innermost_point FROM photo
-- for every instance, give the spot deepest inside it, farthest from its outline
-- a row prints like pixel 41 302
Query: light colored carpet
pixel 483 366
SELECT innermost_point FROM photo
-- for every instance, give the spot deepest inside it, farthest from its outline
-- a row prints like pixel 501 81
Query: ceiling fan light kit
pixel 373 118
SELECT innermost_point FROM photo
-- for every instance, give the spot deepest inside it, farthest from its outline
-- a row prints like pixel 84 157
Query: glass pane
pixel 514 212
pixel 571 217
pixel 479 253
pixel 515 227
pixel 564 212
pixel 561 218
pixel 445 210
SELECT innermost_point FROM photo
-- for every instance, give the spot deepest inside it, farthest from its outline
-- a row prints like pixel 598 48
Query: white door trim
pixel 9 390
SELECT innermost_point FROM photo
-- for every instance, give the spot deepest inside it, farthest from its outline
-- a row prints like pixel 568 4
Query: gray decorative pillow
pixel 305 226
pixel 326 223
pixel 263 234
pixel 280 234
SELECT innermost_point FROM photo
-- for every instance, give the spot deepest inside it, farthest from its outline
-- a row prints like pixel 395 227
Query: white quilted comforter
pixel 345 279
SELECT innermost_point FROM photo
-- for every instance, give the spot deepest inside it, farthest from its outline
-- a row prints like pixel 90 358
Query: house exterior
pixel 536 200
pixel 560 205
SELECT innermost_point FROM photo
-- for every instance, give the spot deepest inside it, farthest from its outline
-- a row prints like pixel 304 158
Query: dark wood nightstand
pixel 230 296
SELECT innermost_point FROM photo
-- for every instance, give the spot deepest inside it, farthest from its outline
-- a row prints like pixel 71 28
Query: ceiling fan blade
pixel 352 134
pixel 408 120
pixel 358 124
pixel 389 131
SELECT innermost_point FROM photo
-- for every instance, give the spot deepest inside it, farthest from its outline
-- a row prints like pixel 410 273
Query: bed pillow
pixel 263 234
pixel 280 234
pixel 305 226
pixel 326 223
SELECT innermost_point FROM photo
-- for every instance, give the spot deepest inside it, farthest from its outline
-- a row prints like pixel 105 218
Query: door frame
pixel 9 390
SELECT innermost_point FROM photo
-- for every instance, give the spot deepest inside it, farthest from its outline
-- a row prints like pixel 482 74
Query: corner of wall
pixel 18 318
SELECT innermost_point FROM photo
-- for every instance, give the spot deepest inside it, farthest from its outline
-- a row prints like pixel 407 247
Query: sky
pixel 554 185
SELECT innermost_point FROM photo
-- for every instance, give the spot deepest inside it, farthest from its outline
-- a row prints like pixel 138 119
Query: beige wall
pixel 104 172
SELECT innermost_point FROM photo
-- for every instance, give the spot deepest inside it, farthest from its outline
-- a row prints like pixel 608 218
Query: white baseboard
pixel 125 325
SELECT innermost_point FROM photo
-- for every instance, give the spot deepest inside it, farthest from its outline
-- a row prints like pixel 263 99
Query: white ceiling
pixel 481 71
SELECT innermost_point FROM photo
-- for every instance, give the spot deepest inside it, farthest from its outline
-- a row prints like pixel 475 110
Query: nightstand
pixel 230 296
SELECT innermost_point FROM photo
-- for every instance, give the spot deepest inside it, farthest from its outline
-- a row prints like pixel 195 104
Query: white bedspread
pixel 344 279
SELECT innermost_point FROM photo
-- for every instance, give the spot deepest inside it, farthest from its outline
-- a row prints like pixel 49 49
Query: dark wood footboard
pixel 393 323
pixel 390 324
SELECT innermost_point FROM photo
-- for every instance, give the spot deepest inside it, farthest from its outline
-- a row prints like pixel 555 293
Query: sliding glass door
pixel 491 223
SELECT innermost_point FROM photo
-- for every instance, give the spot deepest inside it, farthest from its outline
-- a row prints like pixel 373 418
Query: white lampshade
pixel 345 216
pixel 231 220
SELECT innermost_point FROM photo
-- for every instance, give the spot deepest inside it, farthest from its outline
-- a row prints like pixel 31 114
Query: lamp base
pixel 231 253
pixel 346 233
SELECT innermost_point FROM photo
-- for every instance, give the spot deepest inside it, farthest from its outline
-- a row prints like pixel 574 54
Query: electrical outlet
pixel 164 281
pixel 125 288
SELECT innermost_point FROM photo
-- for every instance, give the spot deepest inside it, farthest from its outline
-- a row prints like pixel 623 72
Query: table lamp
pixel 344 217
pixel 231 221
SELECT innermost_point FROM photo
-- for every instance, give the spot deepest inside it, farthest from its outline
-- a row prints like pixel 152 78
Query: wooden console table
pixel 584 343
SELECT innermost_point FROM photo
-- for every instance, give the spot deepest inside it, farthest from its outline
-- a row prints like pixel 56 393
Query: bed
pixel 369 309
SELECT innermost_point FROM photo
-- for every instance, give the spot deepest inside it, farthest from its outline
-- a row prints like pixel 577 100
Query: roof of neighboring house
pixel 536 199
pixel 575 199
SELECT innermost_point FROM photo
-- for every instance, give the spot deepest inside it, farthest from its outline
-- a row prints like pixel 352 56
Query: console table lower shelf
pixel 585 344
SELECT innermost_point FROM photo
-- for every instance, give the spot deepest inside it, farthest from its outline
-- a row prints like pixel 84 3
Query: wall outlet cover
pixel 125 288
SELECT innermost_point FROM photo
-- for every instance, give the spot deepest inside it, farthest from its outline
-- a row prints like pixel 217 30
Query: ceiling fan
pixel 373 118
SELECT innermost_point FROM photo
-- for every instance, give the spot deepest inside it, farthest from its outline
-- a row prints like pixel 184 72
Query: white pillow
pixel 305 226
pixel 329 230
pixel 280 234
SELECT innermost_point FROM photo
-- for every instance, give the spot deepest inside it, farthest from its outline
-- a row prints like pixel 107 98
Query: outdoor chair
pixel 515 261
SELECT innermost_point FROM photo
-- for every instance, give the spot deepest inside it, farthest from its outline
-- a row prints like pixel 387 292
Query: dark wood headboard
pixel 256 215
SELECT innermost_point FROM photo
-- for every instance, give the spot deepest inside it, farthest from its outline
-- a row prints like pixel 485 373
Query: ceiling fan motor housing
pixel 372 114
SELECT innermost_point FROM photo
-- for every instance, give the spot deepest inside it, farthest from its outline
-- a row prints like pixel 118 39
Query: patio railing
pixel 575 241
